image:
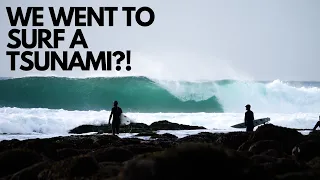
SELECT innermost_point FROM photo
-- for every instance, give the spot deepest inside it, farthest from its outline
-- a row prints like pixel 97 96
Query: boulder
pixel 286 136
pixel 232 139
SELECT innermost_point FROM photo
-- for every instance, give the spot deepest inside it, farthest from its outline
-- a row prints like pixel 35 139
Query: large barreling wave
pixel 141 94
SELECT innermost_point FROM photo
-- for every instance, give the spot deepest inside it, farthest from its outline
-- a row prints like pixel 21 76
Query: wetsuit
pixel 116 112
pixel 248 120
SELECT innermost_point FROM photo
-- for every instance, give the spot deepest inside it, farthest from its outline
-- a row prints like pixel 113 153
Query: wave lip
pixel 135 94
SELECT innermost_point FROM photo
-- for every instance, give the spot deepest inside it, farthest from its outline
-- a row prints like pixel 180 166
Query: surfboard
pixel 256 122
pixel 125 120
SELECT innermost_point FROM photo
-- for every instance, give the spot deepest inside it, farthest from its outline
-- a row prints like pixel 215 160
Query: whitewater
pixel 41 107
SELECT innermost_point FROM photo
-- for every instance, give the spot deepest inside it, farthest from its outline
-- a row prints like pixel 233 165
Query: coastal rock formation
pixel 269 153
pixel 135 127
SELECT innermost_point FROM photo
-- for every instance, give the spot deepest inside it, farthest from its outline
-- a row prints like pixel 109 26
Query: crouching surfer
pixel 116 112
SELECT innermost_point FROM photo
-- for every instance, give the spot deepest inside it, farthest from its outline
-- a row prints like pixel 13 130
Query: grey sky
pixel 204 39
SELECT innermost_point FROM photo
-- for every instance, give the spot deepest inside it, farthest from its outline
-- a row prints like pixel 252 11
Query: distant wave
pixel 141 94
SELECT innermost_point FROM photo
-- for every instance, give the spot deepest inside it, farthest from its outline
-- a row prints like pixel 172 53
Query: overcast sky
pixel 204 39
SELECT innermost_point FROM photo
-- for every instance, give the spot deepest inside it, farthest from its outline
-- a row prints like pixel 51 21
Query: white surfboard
pixel 125 120
pixel 256 122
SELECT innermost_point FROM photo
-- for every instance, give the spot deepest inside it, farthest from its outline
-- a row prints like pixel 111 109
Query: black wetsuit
pixel 248 120
pixel 116 112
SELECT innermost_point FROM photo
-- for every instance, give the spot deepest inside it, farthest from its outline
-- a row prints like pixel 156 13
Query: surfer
pixel 248 118
pixel 317 125
pixel 116 112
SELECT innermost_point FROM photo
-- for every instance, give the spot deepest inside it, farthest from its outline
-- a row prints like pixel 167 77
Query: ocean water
pixel 41 107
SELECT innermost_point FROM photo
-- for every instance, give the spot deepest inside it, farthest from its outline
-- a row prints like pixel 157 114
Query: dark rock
pixel 189 161
pixel 31 172
pixel 204 137
pixel 307 150
pixel 79 166
pixel 166 125
pixel 168 136
pixel 67 152
pixel 108 170
pixel 261 146
pixel 305 175
pixel 315 163
pixel 134 127
pixel 148 134
pixel 284 165
pixel 41 146
pixel 272 153
pixel 313 135
pixel 232 139
pixel 286 136
pixel 12 161
pixel 113 154
pixel 260 159
pixel 109 140
pixel 142 148
pixel 91 128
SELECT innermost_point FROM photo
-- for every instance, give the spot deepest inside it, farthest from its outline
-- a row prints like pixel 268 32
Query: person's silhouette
pixel 116 112
pixel 317 125
pixel 248 118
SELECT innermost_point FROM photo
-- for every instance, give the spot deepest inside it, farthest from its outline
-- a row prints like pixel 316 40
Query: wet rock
pixel 272 153
pixel 168 136
pixel 260 159
pixel 313 135
pixel 315 163
pixel 261 146
pixel 142 148
pixel 284 165
pixel 113 154
pixel 134 127
pixel 286 136
pixel 204 137
pixel 12 161
pixel 41 146
pixel 67 152
pixel 31 172
pixel 305 175
pixel 307 150
pixel 155 135
pixel 188 161
pixel 233 139
pixel 79 166
pixel 166 125
pixel 108 170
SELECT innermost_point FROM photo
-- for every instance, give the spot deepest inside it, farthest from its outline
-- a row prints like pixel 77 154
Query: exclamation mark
pixel 128 68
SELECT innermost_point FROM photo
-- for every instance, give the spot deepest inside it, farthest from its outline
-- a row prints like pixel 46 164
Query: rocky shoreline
pixel 134 127
pixel 269 153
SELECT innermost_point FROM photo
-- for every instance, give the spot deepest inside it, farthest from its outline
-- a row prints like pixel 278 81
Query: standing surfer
pixel 248 119
pixel 116 112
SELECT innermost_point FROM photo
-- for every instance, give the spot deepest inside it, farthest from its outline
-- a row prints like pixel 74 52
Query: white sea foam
pixel 47 121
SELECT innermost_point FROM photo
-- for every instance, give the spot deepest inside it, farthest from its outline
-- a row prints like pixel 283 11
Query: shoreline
pixel 270 152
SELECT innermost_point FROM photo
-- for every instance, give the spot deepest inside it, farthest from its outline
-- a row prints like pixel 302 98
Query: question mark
pixel 122 56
